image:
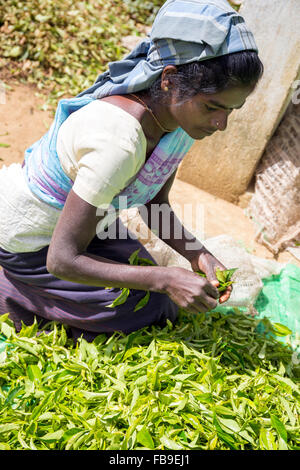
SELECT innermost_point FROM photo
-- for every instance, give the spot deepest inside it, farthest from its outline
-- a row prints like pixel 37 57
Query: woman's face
pixel 205 114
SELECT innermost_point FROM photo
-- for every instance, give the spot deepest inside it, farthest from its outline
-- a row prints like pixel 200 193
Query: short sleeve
pixel 102 147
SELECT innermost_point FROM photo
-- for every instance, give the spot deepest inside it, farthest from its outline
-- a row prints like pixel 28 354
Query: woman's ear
pixel 166 77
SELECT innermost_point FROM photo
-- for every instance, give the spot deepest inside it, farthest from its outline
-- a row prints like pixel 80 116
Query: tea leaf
pixel 121 299
pixel 281 330
pixel 225 275
pixel 133 259
pixel 279 427
pixel 53 436
pixel 288 410
pixel 142 302
pixel 170 444
pixel 34 372
pixel 267 440
pixel 144 438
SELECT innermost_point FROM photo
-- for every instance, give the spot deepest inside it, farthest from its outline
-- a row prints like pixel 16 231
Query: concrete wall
pixel 224 163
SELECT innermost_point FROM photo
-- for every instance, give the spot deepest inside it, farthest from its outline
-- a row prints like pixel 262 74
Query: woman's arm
pixel 162 220
pixel 68 259
pixel 169 228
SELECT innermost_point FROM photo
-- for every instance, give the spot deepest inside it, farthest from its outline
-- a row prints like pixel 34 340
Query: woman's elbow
pixel 56 266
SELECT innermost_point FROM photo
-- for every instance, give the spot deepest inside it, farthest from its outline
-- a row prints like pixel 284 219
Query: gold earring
pixel 166 88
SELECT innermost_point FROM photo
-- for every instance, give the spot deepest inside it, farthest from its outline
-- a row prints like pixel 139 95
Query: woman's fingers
pixel 191 291
pixel 207 302
pixel 199 308
pixel 211 289
pixel 225 295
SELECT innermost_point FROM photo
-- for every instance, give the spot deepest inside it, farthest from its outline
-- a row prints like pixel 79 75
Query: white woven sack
pixel 275 205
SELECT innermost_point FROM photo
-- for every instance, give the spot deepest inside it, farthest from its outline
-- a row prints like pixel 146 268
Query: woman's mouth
pixel 207 132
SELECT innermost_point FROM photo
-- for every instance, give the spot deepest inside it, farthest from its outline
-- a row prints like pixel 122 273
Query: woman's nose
pixel 220 122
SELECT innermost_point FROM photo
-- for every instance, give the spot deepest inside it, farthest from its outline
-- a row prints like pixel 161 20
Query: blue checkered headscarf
pixel 183 31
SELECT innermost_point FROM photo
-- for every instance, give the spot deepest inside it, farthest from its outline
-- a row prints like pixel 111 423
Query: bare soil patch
pixel 22 122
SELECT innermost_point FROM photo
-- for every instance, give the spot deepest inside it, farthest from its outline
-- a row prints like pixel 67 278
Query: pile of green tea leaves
pixel 211 381
pixel 62 46
pixel 143 11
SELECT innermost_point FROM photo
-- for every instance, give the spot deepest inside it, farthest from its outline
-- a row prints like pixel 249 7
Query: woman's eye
pixel 209 108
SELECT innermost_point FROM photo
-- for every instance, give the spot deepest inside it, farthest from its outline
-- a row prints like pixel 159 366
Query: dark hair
pixel 213 75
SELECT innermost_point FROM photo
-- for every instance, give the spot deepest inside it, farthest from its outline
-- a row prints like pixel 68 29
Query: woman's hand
pixel 189 290
pixel 205 262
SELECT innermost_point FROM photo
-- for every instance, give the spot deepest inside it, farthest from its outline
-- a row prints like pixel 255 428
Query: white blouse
pixel 101 148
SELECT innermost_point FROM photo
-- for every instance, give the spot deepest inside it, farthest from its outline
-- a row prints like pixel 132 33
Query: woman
pixel 122 139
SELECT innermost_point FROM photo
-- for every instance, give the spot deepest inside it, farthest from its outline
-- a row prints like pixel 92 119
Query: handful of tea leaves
pixel 224 277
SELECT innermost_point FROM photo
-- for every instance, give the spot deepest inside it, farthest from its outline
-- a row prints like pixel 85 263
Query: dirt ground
pixel 22 122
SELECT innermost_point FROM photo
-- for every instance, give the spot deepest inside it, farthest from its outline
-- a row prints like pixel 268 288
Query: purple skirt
pixel 28 290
